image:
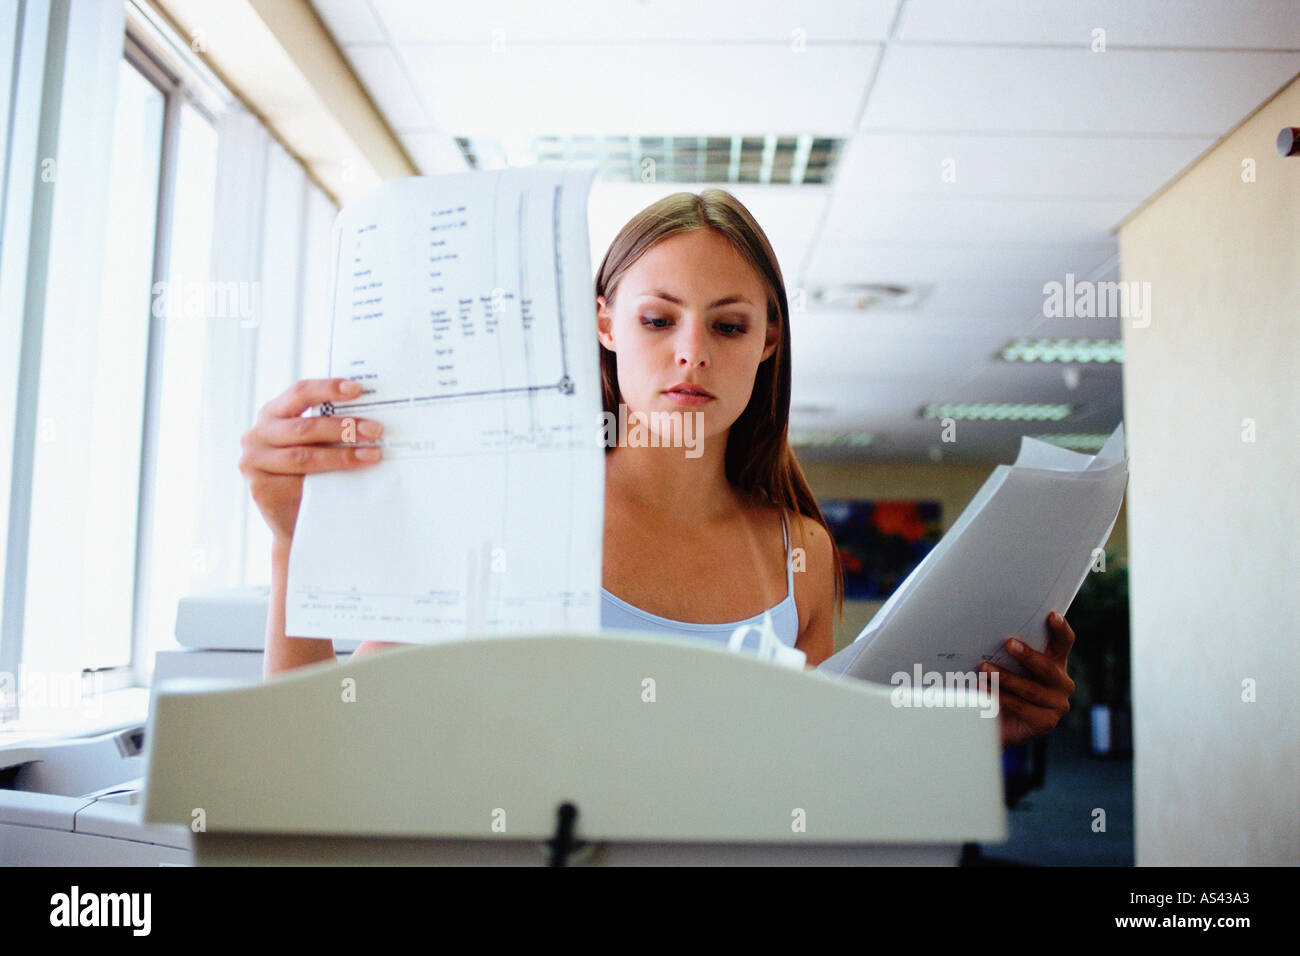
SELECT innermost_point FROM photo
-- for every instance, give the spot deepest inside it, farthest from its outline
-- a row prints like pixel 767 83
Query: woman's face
pixel 691 309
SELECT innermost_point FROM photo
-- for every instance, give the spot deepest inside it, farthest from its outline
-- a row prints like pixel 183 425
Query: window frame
pixel 155 47
pixel 147 52
pixel 182 82
pixel 137 55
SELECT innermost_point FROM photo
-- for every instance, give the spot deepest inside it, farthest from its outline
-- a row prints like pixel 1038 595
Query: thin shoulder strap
pixel 789 564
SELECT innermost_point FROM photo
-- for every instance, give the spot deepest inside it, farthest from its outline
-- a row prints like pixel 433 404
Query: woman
pixel 692 317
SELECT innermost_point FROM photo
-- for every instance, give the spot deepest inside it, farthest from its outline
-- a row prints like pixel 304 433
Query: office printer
pixel 76 800
pixel 79 801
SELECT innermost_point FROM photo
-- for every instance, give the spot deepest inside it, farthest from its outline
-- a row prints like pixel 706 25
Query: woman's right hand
pixel 283 446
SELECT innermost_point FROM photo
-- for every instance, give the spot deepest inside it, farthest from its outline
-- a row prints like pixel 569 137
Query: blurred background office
pixel 994 220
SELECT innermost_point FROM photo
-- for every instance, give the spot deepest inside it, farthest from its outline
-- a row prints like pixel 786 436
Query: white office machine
pixel 77 800
pixel 596 748
pixel 221 634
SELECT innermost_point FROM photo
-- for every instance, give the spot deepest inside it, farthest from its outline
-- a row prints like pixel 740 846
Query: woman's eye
pixel 729 329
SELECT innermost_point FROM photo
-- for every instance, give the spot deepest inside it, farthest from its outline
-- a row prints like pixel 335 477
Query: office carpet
pixel 1054 825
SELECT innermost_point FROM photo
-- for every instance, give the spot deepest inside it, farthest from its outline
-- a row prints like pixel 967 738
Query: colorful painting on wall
pixel 880 542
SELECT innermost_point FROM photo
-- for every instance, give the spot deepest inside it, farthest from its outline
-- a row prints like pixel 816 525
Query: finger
pixel 305 393
pixel 1042 718
pixel 1060 637
pixel 308 459
pixel 1035 720
pixel 1030 718
pixel 1015 729
pixel 1049 670
pixel 283 432
pixel 1030 690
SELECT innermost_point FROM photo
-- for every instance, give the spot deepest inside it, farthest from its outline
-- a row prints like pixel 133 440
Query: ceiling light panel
pixel 1075 442
pixel 997 411
pixel 815 439
pixel 1064 350
pixel 760 160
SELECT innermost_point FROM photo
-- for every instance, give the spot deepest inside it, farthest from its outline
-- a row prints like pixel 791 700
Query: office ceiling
pixel 988 149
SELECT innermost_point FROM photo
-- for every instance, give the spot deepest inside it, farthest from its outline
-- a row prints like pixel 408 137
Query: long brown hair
pixel 759 460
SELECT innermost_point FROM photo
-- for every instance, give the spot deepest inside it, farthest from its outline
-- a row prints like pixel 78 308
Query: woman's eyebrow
pixel 725 300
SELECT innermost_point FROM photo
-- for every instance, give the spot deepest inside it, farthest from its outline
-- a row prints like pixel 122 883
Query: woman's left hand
pixel 1032 705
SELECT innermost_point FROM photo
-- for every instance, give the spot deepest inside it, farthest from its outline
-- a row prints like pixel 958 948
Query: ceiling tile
pixel 632 22
pixel 837 344
pixel 1052 144
pixel 967 263
pixel 646 90
pixel 1098 327
pixel 382 74
pixel 957 164
pixel 941 330
pixel 1143 92
pixel 925 219
pixel 786 214
pixel 348 21
pixel 1225 24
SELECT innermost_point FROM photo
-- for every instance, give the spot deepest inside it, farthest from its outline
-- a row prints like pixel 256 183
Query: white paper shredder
pixel 581 748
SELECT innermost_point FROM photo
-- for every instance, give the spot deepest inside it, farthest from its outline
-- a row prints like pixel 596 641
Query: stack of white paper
pixel 464 305
pixel 1021 549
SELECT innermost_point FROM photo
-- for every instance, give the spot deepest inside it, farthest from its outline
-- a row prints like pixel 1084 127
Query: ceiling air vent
pixel 859 296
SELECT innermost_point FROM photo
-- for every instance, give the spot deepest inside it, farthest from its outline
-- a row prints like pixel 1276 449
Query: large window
pixel 175 272
pixel 187 301
pixel 80 567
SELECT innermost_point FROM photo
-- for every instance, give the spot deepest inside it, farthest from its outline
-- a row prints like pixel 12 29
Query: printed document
pixel 463 304
pixel 1022 548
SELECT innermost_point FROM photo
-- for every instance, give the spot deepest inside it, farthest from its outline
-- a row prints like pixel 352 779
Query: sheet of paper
pixel 464 305
pixel 1022 548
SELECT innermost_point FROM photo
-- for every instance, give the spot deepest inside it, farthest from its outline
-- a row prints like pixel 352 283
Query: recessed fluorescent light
pixel 810 439
pixel 803 160
pixel 997 411
pixel 1064 350
pixel 1075 442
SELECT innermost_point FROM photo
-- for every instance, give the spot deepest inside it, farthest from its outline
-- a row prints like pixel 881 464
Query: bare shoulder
pixel 810 546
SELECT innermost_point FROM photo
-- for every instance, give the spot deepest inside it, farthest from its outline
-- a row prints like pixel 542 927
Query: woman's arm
pixel 285 653
pixel 369 647
pixel 814 588
pixel 280 450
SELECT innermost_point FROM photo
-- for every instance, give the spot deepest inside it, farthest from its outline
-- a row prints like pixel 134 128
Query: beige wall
pixel 953 486
pixel 1213 518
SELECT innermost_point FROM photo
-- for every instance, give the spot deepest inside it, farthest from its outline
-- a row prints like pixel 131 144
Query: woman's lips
pixel 689 398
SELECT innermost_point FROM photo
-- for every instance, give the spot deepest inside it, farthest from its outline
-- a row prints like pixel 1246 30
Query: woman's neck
pixel 678 489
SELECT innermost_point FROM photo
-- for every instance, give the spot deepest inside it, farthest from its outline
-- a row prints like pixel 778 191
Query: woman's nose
pixel 692 346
